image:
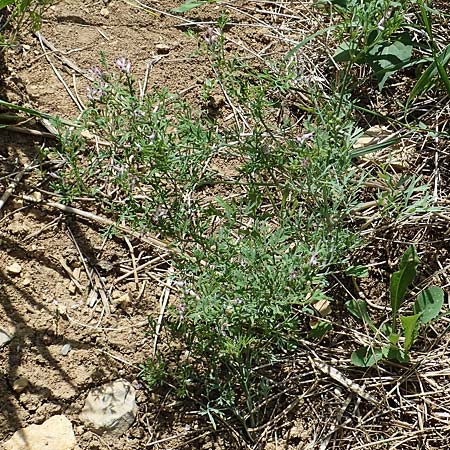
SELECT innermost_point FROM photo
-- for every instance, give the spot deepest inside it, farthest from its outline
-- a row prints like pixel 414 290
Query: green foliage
pixel 426 308
pixel 188 5
pixel 373 33
pixel 254 260
pixel 191 4
pixel 20 14
pixel 439 57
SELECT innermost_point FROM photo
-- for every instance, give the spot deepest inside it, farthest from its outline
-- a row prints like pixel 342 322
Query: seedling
pixel 426 308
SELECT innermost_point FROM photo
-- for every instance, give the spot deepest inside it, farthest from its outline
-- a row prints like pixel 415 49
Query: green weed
pixel 18 14
pixel 257 241
pixel 426 308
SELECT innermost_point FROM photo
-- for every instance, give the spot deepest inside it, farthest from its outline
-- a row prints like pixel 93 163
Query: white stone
pixel 55 433
pixel 14 269
pixel 5 337
pixel 110 408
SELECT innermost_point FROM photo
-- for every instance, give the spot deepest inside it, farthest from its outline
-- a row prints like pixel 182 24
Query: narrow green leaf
pixel 401 279
pixel 429 303
pixel 357 271
pixel 366 356
pixel 309 38
pixel 410 327
pixel 359 309
pixel 428 77
pixel 356 153
pixel 187 6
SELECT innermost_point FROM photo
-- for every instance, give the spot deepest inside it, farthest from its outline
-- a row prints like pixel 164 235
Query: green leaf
pixel 308 38
pixel 410 327
pixel 386 329
pixel 320 329
pixel 359 309
pixel 357 271
pixel 346 52
pixel 393 338
pixel 429 304
pixel 428 78
pixel 394 353
pixel 366 356
pixel 188 5
pixel 4 3
pixel 401 280
pixel 386 59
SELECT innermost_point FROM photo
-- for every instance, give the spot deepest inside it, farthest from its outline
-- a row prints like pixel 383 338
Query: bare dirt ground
pixel 62 281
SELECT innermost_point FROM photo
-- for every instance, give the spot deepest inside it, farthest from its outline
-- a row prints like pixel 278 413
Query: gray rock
pixel 5 337
pixel 110 408
pixel 65 349
pixel 55 433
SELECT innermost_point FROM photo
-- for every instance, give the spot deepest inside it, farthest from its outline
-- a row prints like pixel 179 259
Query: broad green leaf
pixel 188 5
pixel 410 327
pixel 429 304
pixel 359 309
pixel 402 279
pixel 346 52
pixel 393 338
pixel 394 353
pixel 366 356
pixel 385 59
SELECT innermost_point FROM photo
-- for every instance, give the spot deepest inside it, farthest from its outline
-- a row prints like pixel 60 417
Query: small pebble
pixel 72 288
pixel 104 12
pixel 163 49
pixel 14 269
pixel 26 282
pixel 20 384
pixel 65 349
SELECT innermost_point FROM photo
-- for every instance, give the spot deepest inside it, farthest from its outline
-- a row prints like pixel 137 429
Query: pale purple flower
pixel 305 137
pixel 95 92
pixel 123 64
pixel 97 72
pixel 211 36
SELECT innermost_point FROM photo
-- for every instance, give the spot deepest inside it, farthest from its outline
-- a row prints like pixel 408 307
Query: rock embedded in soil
pixel 55 433
pixel 110 408
pixel 20 384
pixel 14 269
pixel 5 337
pixel 163 49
